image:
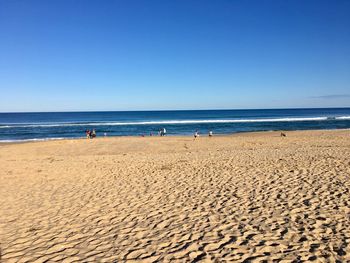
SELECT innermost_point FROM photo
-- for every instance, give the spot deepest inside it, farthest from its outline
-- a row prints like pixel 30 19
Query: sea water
pixel 60 125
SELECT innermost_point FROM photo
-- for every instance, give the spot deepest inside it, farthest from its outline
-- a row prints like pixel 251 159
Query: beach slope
pixel 243 197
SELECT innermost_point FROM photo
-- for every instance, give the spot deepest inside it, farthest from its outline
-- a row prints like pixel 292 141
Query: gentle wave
pixel 343 118
pixel 176 122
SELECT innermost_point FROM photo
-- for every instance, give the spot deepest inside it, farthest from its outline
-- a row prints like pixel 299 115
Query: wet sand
pixel 247 197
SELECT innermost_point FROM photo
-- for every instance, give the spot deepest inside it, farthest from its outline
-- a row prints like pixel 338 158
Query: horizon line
pixel 220 109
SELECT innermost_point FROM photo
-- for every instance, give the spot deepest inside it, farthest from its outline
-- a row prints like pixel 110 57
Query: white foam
pixel 32 140
pixel 343 118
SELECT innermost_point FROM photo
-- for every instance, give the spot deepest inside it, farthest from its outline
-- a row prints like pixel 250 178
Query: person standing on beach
pixel 87 132
pixel 196 134
pixel 164 131
pixel 93 133
pixel 210 134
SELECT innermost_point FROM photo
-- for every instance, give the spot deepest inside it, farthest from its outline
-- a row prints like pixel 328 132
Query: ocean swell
pixel 164 122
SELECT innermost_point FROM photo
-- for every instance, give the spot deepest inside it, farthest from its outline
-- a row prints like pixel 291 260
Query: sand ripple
pixel 246 198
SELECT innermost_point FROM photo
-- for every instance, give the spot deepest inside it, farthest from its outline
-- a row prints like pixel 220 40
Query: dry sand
pixel 248 197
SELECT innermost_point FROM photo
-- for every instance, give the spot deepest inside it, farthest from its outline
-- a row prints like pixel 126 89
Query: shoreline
pixel 248 133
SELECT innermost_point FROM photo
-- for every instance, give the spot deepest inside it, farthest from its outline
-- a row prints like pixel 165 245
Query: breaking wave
pixel 163 122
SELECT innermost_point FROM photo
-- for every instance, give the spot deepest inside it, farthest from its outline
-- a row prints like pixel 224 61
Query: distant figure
pixel 150 134
pixel 210 134
pixel 93 133
pixel 105 134
pixel 162 132
pixel 87 132
pixel 283 134
pixel 196 134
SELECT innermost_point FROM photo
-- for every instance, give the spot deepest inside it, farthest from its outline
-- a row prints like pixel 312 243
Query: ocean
pixel 60 125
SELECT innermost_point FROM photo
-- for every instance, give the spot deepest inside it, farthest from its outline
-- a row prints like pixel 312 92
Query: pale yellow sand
pixel 250 197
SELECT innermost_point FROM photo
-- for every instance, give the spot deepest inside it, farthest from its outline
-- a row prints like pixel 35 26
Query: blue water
pixel 55 125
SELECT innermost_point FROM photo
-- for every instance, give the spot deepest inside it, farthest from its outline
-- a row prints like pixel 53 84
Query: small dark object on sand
pixel 283 134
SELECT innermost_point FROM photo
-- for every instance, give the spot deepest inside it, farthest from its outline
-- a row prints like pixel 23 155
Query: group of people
pixel 196 134
pixel 90 134
pixel 162 132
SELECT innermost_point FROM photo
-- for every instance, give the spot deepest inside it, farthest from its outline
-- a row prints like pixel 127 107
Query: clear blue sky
pixel 136 55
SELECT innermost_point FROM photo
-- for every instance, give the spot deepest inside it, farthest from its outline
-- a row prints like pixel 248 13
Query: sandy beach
pixel 240 198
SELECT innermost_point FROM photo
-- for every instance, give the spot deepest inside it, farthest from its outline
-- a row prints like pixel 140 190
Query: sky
pixel 77 55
